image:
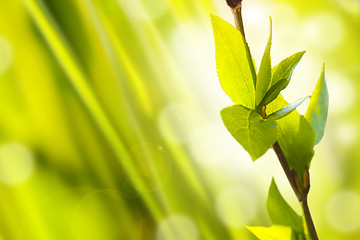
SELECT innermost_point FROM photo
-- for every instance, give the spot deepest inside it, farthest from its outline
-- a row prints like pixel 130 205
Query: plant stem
pixel 236 11
pixel 302 196
pixel 236 8
pixel 288 172
pixel 308 220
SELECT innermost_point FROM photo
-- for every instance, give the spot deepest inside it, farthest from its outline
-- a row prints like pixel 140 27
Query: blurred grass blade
pixel 78 79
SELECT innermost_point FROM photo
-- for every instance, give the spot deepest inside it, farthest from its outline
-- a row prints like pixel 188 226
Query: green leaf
pixel 233 63
pixel 251 63
pixel 296 137
pixel 286 67
pixel 317 111
pixel 254 133
pixel 280 212
pixel 274 232
pixel 264 76
pixel 286 110
pixel 274 91
pixel 281 77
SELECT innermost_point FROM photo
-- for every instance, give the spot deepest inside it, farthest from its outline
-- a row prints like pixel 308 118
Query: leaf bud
pixel 233 3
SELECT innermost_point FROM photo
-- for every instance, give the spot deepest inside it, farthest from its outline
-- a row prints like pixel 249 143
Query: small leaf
pixel 275 232
pixel 317 111
pixel 286 67
pixel 254 133
pixel 251 63
pixel 296 137
pixel 280 212
pixel 286 110
pixel 233 64
pixel 274 91
pixel 281 77
pixel 264 76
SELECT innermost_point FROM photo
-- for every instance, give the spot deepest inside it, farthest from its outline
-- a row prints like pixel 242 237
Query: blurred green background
pixel 110 124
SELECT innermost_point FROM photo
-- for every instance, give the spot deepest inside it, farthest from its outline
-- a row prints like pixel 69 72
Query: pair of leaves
pixel 272 81
pixel 236 68
pixel 281 75
pixel 287 224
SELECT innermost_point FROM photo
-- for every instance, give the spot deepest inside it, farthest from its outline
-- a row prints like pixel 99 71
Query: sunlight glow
pixel 6 54
pixel 16 163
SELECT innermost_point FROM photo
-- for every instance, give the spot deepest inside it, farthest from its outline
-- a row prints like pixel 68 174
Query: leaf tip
pixel 270 26
pixel 273 185
pixel 323 70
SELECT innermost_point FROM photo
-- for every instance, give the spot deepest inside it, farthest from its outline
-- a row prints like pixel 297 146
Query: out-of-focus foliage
pixel 110 125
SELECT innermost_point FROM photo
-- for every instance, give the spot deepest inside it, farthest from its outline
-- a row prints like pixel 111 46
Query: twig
pixel 236 7
pixel 288 172
pixel 308 220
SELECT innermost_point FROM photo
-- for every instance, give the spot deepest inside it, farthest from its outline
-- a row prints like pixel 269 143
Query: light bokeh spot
pixel 16 163
pixel 6 55
pixel 256 17
pixel 236 206
pixel 341 93
pixel 192 44
pixel 177 121
pixel 211 145
pixel 177 227
pixel 343 211
pixel 318 33
pixel 351 6
pixel 144 10
pixel 346 133
pixel 284 14
pixel 303 80
pixel 153 165
pixel 106 215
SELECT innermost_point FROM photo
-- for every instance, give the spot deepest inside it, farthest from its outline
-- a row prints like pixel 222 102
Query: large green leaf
pixel 280 212
pixel 233 63
pixel 254 133
pixel 296 137
pixel 264 76
pixel 283 112
pixel 317 111
pixel 281 75
pixel 275 232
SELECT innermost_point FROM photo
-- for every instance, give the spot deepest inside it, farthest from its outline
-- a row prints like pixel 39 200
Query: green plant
pixel 261 119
